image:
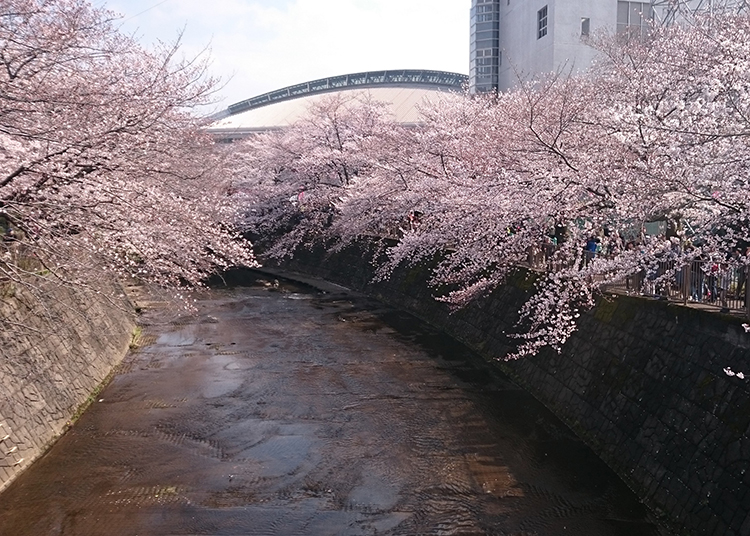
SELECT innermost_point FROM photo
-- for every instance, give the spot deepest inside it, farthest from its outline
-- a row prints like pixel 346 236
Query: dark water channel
pixel 284 411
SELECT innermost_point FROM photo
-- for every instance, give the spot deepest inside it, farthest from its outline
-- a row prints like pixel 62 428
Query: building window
pixel 585 26
pixel 541 25
pixel 634 18
pixel 485 38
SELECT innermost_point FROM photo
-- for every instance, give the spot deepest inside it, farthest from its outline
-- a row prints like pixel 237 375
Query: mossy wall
pixel 641 382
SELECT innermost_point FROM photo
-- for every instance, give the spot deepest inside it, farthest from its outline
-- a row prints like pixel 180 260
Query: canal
pixel 280 409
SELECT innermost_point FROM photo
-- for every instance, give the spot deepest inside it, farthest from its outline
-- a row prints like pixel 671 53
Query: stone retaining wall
pixel 641 382
pixel 54 352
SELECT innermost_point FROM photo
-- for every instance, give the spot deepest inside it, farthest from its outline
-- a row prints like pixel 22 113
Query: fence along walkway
pixel 702 283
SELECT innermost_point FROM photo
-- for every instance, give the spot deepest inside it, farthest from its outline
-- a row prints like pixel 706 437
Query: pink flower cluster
pixel 576 167
pixel 103 163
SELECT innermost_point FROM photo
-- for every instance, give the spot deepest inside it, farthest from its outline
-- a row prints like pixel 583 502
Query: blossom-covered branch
pixel 104 164
pixel 574 166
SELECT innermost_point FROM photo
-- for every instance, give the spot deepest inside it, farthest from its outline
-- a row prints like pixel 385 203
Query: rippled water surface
pixel 276 411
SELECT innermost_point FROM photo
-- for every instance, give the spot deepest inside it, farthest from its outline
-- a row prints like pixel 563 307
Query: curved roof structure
pixel 402 90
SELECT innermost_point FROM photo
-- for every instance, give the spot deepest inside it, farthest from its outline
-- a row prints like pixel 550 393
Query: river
pixel 280 409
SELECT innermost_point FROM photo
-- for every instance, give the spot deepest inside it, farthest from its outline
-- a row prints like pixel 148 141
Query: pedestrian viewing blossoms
pixel 571 170
pixel 104 165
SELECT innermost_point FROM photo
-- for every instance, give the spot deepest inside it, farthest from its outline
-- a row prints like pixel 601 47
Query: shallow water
pixel 292 411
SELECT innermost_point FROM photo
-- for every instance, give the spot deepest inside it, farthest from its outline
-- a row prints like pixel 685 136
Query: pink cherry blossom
pixel 104 164
pixel 657 131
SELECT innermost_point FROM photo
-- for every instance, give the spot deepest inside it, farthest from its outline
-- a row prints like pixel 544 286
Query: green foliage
pixel 136 338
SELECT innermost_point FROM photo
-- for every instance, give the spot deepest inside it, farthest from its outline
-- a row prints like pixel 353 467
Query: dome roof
pixel 401 90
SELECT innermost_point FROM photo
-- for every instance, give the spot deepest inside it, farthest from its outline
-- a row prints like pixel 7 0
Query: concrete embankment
pixel 57 346
pixel 642 383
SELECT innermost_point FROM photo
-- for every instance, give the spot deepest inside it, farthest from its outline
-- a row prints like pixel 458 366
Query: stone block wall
pixel 56 347
pixel 641 382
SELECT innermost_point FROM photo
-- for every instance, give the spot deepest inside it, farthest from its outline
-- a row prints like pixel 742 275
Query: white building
pixel 403 91
pixel 517 39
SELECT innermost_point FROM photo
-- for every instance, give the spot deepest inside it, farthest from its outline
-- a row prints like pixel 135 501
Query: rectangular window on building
pixel 585 26
pixel 634 18
pixel 541 25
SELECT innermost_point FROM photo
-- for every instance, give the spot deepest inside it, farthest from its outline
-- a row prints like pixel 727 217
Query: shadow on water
pixel 544 439
pixel 281 409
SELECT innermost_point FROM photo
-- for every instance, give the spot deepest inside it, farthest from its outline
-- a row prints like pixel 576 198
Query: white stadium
pixel 401 90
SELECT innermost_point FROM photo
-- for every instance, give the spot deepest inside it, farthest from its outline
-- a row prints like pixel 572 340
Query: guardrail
pixel 701 283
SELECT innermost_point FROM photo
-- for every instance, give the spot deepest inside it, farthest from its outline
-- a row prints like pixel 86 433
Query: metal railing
pixel 703 283
pixel 710 284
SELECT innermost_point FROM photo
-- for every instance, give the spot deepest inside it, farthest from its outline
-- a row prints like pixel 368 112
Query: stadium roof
pixel 402 89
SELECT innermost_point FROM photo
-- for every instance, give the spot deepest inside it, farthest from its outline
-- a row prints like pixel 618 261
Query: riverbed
pixel 278 408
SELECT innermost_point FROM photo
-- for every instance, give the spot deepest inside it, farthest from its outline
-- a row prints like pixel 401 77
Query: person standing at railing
pixel 697 279
pixel 678 271
pixel 590 249
pixel 712 272
pixel 615 244
pixel 632 282
pixel 741 290
pixel 722 286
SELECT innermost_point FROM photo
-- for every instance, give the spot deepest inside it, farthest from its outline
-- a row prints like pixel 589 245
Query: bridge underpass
pixel 281 409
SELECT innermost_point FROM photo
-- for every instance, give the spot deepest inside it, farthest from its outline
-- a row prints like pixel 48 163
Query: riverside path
pixel 279 409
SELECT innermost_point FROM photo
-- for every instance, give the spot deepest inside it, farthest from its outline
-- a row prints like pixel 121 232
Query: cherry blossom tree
pixel 658 131
pixel 294 181
pixel 104 164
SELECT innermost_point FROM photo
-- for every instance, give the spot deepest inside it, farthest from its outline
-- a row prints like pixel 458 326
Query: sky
pixel 262 45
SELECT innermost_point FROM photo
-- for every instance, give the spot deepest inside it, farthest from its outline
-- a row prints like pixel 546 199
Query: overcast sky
pixel 262 45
